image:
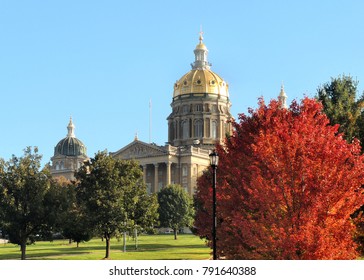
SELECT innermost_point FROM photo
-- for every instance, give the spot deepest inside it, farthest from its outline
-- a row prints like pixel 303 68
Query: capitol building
pixel 199 118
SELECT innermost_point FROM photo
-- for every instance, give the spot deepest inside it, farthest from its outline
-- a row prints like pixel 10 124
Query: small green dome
pixel 70 146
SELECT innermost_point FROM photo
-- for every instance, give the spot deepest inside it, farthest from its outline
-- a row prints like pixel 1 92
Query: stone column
pixel 168 173
pixel 145 173
pixel 156 177
pixel 190 178
pixel 178 175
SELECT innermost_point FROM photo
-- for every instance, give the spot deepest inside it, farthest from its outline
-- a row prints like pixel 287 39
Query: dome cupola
pixel 201 56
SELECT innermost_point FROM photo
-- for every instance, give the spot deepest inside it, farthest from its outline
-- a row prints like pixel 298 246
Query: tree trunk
pixel 23 247
pixel 136 238
pixel 175 233
pixel 107 239
pixel 124 241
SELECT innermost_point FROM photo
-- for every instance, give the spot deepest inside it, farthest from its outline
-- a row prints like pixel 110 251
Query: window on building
pixel 171 132
pixel 185 130
pixel 175 130
pixel 198 129
pixel 227 129
pixel 199 108
pixel 184 171
pixel 214 129
pixel 207 128
pixel 185 109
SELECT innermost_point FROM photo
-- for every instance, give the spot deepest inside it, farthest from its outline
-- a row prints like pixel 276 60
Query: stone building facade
pixel 199 119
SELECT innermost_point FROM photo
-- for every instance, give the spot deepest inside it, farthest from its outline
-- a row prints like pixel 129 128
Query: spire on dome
pixel 282 98
pixel 201 35
pixel 71 129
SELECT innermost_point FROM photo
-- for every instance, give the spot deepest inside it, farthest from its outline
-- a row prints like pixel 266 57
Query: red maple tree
pixel 287 183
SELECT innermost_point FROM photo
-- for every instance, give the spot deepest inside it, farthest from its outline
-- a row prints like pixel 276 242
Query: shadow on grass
pixel 156 247
pixel 38 252
pixel 149 247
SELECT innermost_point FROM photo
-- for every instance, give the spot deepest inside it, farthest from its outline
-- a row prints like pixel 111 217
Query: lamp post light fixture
pixel 214 160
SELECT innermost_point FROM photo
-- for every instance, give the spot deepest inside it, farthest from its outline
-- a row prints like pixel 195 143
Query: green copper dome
pixel 70 146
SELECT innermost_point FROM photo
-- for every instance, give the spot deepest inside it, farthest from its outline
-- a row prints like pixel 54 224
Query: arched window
pixel 171 132
pixel 199 108
pixel 185 130
pixel 185 109
pixel 57 165
pixel 198 129
pixel 214 129
pixel 175 130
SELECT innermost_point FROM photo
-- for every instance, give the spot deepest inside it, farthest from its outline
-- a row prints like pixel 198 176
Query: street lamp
pixel 214 160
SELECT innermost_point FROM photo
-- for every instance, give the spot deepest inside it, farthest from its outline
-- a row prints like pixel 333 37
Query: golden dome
pixel 201 46
pixel 201 81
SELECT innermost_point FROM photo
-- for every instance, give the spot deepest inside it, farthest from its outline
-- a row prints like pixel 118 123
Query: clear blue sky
pixel 102 61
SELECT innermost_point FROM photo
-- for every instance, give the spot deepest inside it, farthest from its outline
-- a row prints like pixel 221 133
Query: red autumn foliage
pixel 287 183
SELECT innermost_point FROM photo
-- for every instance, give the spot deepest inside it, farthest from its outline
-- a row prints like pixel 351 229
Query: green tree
pixel 2 217
pixel 29 199
pixel 141 208
pixel 74 225
pixel 110 192
pixel 342 105
pixel 175 208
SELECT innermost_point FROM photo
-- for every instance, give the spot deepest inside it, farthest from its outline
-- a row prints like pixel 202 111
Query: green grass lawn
pixel 150 247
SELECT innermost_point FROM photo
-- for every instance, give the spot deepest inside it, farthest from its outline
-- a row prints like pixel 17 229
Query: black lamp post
pixel 214 160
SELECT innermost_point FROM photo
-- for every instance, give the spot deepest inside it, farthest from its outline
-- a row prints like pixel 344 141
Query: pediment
pixel 138 149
